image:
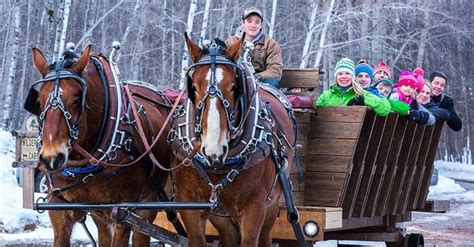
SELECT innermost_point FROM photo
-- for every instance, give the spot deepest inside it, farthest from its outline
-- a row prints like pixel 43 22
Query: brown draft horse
pixel 247 191
pixel 72 110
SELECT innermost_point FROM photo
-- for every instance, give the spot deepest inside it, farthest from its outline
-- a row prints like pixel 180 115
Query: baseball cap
pixel 252 10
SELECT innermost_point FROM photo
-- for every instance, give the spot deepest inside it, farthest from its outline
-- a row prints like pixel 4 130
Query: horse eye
pixel 76 102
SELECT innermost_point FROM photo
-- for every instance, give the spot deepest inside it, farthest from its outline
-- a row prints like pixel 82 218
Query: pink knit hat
pixel 406 78
pixel 420 81
pixel 384 67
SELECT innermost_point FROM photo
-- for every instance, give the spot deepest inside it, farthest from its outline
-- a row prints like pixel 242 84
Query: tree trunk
pixel 271 29
pixel 322 38
pixel 18 118
pixel 7 102
pixel 89 31
pixel 5 53
pixel 364 49
pixel 62 40
pixel 189 29
pixel 164 43
pixel 59 30
pixel 423 37
pixel 50 39
pixel 379 28
pixel 131 22
pixel 309 35
pixel 205 22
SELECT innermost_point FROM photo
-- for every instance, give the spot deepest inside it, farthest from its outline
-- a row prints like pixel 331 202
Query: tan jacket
pixel 266 57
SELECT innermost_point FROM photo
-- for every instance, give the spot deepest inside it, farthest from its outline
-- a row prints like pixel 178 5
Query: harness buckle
pixel 70 174
pixel 187 162
pixel 112 154
pixel 67 115
pixel 94 161
pixel 214 194
pixel 225 103
pixel 268 138
pixel 197 128
pixel 231 175
pixel 200 105
pixel 171 135
pixel 88 178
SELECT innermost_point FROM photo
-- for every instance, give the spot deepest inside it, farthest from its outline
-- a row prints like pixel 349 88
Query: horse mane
pixel 69 58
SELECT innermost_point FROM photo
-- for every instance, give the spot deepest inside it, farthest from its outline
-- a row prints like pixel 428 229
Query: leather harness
pixel 251 141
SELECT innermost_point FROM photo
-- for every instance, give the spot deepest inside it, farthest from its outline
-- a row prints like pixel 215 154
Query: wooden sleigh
pixel 362 173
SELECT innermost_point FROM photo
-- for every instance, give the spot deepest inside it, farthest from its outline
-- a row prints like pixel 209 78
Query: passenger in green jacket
pixel 345 90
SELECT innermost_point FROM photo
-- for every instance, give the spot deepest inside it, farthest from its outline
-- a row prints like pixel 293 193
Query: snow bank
pixel 19 225
pixel 456 171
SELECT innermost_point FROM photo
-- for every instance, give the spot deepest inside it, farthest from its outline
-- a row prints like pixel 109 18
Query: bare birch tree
pixel 59 30
pixel 205 22
pixel 322 39
pixel 309 34
pixel 8 96
pixel 422 42
pixel 271 29
pixel 189 29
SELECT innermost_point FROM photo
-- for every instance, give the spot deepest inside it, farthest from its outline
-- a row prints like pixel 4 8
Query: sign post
pixel 27 144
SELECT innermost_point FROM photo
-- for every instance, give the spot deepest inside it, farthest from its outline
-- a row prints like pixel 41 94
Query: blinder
pixel 54 100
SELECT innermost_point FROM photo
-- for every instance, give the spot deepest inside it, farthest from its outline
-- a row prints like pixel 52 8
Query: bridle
pixel 54 101
pixel 214 57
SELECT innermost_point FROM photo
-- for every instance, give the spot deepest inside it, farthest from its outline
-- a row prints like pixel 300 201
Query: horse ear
pixel 82 62
pixel 39 61
pixel 233 52
pixel 194 50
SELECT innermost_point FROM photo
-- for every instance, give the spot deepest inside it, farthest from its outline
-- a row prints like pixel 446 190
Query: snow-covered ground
pixel 456 227
pixel 19 225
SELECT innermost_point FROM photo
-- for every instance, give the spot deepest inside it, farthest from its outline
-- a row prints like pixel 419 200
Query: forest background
pixel 432 34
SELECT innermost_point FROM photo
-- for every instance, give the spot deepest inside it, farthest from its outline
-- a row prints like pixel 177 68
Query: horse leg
pixel 253 216
pixel 138 238
pixel 62 223
pixel 121 235
pixel 270 218
pixel 104 233
pixel 195 224
pixel 228 231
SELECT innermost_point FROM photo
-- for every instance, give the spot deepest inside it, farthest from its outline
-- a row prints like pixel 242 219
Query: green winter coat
pixel 334 97
pixel 399 107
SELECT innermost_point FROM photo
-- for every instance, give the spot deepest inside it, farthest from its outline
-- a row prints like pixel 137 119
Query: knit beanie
pixel 406 78
pixel 345 64
pixel 385 81
pixel 420 81
pixel 362 67
pixel 384 67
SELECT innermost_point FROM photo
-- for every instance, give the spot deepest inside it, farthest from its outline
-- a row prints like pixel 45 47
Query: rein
pixel 141 132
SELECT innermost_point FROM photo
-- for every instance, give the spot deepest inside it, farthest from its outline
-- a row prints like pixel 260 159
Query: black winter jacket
pixel 446 102
pixel 439 113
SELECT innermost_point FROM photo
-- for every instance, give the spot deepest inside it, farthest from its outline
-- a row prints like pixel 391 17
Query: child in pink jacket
pixel 404 87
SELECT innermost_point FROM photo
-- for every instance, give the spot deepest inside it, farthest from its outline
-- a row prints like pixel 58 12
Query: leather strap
pixel 91 159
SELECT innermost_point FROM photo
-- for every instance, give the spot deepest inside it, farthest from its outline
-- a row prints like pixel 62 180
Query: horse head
pixel 61 96
pixel 214 87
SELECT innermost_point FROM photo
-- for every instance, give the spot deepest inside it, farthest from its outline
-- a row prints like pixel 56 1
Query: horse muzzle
pixel 215 160
pixel 54 163
pixel 54 159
